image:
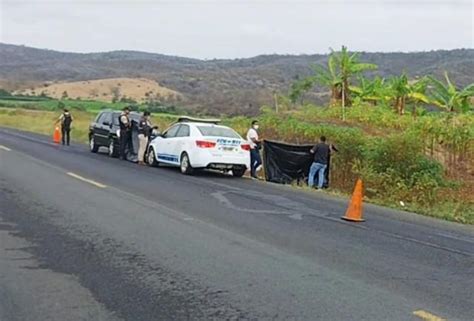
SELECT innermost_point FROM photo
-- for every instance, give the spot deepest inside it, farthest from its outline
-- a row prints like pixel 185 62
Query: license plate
pixel 228 149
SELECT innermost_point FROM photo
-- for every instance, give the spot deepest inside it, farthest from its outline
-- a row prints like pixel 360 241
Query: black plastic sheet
pixel 287 163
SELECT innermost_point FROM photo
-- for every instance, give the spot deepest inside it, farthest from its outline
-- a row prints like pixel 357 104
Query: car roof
pixel 202 124
pixel 119 112
pixel 187 119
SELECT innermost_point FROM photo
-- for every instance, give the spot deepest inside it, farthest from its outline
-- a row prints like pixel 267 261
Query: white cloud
pixel 232 28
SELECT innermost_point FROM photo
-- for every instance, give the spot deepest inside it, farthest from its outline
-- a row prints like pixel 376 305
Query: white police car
pixel 200 144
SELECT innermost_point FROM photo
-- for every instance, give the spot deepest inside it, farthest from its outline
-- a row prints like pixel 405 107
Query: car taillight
pixel 245 146
pixel 205 144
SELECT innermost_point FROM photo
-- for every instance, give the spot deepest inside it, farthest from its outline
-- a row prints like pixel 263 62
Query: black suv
pixel 103 131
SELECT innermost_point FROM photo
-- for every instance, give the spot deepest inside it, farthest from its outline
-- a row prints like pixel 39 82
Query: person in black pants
pixel 255 146
pixel 125 133
pixel 65 120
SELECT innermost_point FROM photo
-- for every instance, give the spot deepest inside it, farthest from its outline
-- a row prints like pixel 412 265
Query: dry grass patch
pixel 43 122
pixel 137 89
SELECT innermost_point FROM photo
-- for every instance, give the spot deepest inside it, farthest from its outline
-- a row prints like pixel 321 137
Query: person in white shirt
pixel 255 145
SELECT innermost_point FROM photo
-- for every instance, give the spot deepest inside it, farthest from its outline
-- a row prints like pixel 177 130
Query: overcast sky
pixel 237 28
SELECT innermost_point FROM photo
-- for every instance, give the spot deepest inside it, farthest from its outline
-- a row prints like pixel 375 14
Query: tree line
pixel 344 77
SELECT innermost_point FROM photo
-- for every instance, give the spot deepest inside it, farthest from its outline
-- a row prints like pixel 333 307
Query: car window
pixel 183 131
pixel 106 118
pixel 171 132
pixel 99 118
pixel 115 118
pixel 215 131
pixel 134 117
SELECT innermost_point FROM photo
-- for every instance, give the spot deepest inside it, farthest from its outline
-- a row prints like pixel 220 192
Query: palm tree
pixel 347 66
pixel 449 97
pixel 323 76
pixel 341 67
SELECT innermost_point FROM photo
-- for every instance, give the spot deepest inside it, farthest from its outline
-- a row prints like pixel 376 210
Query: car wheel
pixel 185 165
pixel 151 158
pixel 238 171
pixel 112 150
pixel 94 148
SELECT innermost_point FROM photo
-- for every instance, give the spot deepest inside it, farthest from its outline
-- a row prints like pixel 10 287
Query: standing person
pixel 255 145
pixel 332 148
pixel 320 163
pixel 125 133
pixel 144 131
pixel 65 120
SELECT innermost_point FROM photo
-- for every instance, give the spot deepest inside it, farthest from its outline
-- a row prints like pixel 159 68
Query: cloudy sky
pixel 237 28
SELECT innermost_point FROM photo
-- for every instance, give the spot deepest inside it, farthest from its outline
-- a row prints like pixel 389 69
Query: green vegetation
pixel 45 103
pixel 49 104
pixel 397 91
pixel 421 162
pixel 424 162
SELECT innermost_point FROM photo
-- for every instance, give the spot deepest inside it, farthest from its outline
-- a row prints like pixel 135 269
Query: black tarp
pixel 287 163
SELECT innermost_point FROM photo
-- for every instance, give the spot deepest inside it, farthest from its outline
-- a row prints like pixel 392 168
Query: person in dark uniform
pixel 321 157
pixel 125 133
pixel 65 120
pixel 144 132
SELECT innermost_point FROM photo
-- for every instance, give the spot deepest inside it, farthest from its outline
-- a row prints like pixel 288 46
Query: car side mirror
pixel 106 123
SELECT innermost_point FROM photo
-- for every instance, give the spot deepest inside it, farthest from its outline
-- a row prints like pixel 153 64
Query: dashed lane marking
pixel 5 148
pixel 87 180
pixel 427 316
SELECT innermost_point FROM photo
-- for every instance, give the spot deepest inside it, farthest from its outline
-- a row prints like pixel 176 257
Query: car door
pixel 101 129
pixel 164 145
pixel 178 144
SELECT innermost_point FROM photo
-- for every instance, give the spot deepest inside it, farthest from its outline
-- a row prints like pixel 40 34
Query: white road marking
pixel 5 148
pixel 427 316
pixel 226 202
pixel 296 216
pixel 87 180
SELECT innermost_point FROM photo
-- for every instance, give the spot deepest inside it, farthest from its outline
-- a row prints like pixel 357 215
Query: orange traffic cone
pixel 354 211
pixel 57 135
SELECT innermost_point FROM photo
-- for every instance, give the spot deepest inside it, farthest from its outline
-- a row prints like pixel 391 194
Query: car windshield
pixel 217 131
pixel 133 117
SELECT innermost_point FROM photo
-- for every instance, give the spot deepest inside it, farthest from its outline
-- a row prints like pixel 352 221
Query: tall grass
pixel 425 162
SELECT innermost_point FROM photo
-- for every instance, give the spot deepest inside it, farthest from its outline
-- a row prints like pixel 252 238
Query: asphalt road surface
pixel 87 237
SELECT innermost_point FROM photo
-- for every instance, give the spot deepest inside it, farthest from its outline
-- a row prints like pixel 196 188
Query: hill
pixel 238 86
pixel 110 89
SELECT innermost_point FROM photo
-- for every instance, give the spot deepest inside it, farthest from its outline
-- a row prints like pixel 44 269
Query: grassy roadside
pixel 451 202
pixel 43 121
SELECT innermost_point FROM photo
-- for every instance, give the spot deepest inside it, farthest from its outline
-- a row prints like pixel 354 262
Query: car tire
pixel 113 152
pixel 185 164
pixel 151 158
pixel 94 148
pixel 238 171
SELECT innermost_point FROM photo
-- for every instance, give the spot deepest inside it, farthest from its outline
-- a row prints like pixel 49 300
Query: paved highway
pixel 87 237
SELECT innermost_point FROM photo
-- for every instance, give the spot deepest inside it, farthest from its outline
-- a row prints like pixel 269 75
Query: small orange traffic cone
pixel 354 211
pixel 57 135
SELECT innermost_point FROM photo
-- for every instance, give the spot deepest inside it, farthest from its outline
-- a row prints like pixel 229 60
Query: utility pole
pixel 343 102
pixel 275 99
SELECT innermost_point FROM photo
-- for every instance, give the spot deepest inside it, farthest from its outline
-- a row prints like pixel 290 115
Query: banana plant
pixel 347 65
pixel 373 91
pixel 402 91
pixel 448 97
pixel 341 67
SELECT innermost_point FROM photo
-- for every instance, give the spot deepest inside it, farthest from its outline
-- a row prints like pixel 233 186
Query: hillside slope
pixel 238 86
pixel 137 89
